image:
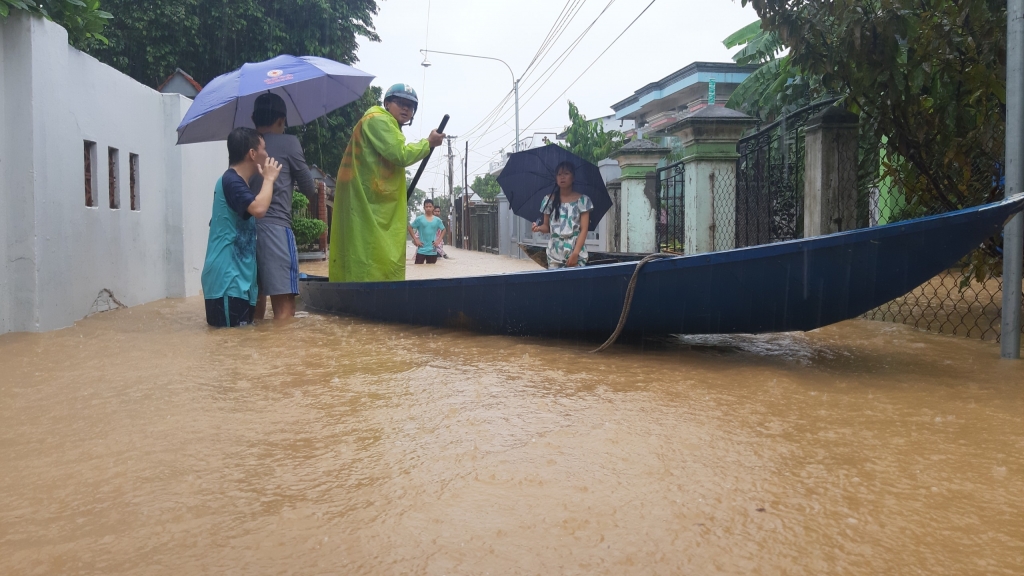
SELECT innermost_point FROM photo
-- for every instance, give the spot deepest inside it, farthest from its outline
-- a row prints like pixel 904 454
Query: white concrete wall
pixel 58 253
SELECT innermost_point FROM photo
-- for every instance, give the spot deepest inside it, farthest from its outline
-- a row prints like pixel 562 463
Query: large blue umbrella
pixel 529 176
pixel 310 87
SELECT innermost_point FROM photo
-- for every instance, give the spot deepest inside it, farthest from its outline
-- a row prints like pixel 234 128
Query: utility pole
pixel 465 189
pixel 451 175
pixel 1013 234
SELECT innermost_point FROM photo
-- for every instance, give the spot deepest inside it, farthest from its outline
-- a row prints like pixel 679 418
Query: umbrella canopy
pixel 310 87
pixel 529 176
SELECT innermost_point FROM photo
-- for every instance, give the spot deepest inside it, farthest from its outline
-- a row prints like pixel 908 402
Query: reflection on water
pixel 139 441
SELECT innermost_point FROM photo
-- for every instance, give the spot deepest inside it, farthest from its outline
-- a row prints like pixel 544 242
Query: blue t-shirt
pixel 428 230
pixel 230 266
pixel 237 193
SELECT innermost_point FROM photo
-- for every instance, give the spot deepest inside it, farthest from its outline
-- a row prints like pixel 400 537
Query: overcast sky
pixel 668 36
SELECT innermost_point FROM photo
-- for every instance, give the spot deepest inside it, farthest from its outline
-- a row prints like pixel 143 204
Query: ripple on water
pixel 140 438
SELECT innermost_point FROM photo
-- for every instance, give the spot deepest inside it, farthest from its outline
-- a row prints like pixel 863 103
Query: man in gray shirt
pixel 277 262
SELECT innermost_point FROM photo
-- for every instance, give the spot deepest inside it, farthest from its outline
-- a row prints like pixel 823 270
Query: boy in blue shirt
pixel 427 226
pixel 229 273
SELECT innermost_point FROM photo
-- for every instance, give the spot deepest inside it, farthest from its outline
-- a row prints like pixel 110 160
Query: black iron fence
pixel 669 208
pixel 770 180
pixel 763 201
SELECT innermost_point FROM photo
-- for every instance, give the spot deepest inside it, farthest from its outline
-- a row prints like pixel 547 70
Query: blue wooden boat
pixel 795 285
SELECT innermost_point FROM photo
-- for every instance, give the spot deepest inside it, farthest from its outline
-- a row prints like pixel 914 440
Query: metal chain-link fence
pixel 872 189
pixel 967 299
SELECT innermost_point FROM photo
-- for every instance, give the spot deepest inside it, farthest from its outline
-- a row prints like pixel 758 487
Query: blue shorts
pixel 277 260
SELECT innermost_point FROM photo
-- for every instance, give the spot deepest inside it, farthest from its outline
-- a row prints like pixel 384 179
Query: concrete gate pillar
pixel 830 173
pixel 505 225
pixel 708 138
pixel 635 209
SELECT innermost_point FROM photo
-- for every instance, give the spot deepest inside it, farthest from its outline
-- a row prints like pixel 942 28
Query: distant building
pixel 180 83
pixel 679 94
pixel 535 140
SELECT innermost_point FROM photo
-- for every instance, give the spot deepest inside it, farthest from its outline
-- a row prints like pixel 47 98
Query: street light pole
pixel 515 81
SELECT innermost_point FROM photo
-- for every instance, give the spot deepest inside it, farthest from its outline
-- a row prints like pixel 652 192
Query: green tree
pixel 83 19
pixel 148 39
pixel 777 87
pixel 927 77
pixel 486 187
pixel 588 140
pixel 206 38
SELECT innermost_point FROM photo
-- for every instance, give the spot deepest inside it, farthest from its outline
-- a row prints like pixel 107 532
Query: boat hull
pixel 797 285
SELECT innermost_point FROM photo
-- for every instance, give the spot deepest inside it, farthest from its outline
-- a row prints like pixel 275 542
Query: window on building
pixel 133 180
pixel 90 173
pixel 115 184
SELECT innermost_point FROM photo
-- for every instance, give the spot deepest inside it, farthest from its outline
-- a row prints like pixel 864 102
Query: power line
pixel 546 47
pixel 591 64
pixel 535 89
pixel 554 34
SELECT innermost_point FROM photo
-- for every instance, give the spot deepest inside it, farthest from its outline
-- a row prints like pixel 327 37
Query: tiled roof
pixel 184 75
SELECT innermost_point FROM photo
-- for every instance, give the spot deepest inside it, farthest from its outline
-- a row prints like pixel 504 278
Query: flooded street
pixel 141 442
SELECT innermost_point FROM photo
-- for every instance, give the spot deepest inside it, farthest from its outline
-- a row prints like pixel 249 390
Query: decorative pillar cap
pixel 638 155
pixel 711 123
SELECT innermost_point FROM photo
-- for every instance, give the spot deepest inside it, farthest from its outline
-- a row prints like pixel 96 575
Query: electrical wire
pixel 535 89
pixel 565 18
pixel 557 98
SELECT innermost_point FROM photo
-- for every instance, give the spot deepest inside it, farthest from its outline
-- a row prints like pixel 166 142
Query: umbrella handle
pixel 423 164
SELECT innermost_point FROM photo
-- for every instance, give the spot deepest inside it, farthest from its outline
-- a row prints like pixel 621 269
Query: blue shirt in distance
pixel 428 230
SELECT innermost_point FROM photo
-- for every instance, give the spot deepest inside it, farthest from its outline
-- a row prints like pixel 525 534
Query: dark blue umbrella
pixel 529 176
pixel 310 87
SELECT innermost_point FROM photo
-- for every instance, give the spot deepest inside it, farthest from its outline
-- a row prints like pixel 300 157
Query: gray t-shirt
pixel 287 150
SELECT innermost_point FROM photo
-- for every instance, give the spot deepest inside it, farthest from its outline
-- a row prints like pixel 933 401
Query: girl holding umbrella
pixel 567 218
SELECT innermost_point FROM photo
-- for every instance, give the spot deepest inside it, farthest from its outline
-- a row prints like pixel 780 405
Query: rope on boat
pixel 629 300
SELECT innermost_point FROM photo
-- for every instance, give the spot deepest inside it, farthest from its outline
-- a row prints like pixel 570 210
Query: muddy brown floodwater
pixel 141 442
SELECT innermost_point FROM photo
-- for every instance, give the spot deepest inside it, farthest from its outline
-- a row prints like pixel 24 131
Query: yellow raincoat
pixel 370 219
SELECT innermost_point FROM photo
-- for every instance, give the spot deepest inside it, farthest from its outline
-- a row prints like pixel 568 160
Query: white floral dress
pixel 565 230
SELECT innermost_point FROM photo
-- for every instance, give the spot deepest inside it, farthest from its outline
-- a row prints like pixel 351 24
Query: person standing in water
pixel 229 273
pixel 567 218
pixel 428 226
pixel 370 215
pixel 440 234
pixel 277 258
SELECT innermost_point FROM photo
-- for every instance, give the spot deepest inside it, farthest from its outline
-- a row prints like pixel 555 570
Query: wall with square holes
pixel 97 204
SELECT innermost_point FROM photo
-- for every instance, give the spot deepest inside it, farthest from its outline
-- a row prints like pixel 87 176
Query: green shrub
pixel 306 230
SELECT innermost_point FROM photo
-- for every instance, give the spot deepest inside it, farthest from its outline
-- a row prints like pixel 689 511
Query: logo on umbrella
pixel 277 76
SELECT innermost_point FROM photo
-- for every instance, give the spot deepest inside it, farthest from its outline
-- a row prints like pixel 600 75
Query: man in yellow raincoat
pixel 370 216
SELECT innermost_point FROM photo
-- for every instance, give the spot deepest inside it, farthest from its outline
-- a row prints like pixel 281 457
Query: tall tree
pixel 83 19
pixel 777 87
pixel 206 38
pixel 927 76
pixel 148 39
